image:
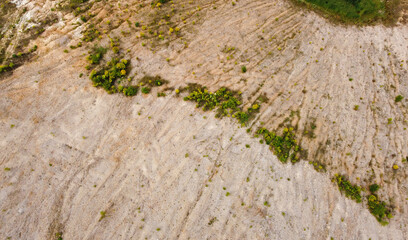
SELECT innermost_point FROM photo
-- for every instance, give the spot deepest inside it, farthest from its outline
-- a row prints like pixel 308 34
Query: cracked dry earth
pixel 161 169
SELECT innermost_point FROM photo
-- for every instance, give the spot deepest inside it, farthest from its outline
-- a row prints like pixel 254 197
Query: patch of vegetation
pixel 103 215
pixel 374 187
pixel 356 11
pixel 108 75
pixel 212 220
pixel 351 191
pixel 226 102
pixel 399 98
pixel 76 6
pixel 58 235
pixel 7 67
pixel 146 90
pixel 96 54
pixel 318 166
pixel 223 98
pixel 90 33
pixel 18 59
pixel 379 209
pixel 129 91
pixel 284 147
pixel 150 81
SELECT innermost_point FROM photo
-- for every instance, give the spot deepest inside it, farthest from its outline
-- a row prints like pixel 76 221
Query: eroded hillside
pixel 329 100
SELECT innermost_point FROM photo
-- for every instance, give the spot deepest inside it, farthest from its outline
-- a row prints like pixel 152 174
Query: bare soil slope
pixel 82 163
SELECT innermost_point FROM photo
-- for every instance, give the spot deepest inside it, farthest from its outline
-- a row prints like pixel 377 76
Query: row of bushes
pixel 6 68
pixel 19 58
pixel 378 208
pixel 284 146
pixel 227 103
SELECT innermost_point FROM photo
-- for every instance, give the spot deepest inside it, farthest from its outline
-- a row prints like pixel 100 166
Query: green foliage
pixel 150 81
pixel 363 11
pixel 399 98
pixel 146 90
pixel 103 215
pixel 351 191
pixel 374 187
pixel 212 220
pixel 318 166
pixel 33 49
pixel 130 91
pixel 226 102
pixel 58 235
pixel 7 67
pixel 223 98
pixel 83 18
pixel 107 76
pixel 3 68
pixel 244 69
pixel 90 33
pixel 96 55
pixel 76 3
pixel 284 147
pixel 379 209
pixel 242 117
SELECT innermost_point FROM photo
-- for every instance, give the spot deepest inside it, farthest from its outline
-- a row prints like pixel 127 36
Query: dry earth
pixel 73 150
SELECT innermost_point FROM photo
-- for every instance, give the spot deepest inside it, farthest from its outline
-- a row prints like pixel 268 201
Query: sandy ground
pixel 74 151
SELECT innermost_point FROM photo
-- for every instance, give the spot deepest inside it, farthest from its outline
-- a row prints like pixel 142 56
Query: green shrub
pixel 374 187
pixel 398 98
pixel 83 18
pixel 130 91
pixel 242 117
pixel 96 54
pixel 145 90
pixel 244 69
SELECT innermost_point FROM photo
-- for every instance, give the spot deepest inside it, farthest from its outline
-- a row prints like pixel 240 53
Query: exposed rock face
pixel 70 151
